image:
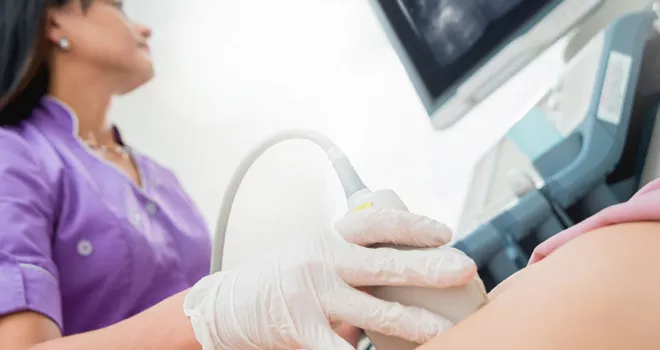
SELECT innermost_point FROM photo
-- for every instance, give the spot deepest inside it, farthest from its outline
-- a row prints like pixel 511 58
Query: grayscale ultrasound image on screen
pixel 446 39
pixel 452 27
pixel 494 9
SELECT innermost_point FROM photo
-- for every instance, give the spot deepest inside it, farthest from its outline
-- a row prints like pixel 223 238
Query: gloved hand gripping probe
pixel 452 303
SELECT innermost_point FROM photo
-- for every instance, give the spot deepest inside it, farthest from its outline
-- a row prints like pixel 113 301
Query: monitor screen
pixel 448 39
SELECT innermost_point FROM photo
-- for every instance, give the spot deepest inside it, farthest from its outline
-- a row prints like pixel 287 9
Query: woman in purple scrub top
pixel 101 248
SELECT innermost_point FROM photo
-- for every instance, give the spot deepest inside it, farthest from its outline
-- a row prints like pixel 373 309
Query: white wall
pixel 231 72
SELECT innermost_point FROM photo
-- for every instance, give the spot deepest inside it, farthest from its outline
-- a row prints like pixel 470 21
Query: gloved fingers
pixel 435 267
pixel 373 226
pixel 392 319
pixel 321 338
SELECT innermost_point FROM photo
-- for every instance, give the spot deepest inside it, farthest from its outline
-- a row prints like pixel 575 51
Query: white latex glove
pixel 288 299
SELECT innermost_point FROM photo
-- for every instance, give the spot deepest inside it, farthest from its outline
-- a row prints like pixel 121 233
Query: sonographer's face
pixel 102 36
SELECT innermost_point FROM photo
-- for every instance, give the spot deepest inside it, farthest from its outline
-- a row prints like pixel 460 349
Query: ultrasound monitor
pixel 458 52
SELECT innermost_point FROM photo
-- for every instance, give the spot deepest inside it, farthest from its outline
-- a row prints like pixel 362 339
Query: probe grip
pixel 455 303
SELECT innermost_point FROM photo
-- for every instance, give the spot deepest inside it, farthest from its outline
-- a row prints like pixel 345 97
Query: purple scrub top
pixel 79 242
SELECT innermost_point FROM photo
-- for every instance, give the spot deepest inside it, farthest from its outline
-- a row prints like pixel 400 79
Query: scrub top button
pixel 85 248
pixel 135 220
pixel 151 208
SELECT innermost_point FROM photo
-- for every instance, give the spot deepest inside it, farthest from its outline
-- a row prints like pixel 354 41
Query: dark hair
pixel 24 51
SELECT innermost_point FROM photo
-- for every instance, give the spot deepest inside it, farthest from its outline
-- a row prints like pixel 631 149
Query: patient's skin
pixel 600 291
pixel 506 284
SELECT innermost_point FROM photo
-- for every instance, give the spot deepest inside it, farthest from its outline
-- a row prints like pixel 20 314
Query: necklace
pixel 116 150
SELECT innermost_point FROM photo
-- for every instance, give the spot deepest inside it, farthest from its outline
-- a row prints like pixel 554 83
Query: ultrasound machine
pixel 584 143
